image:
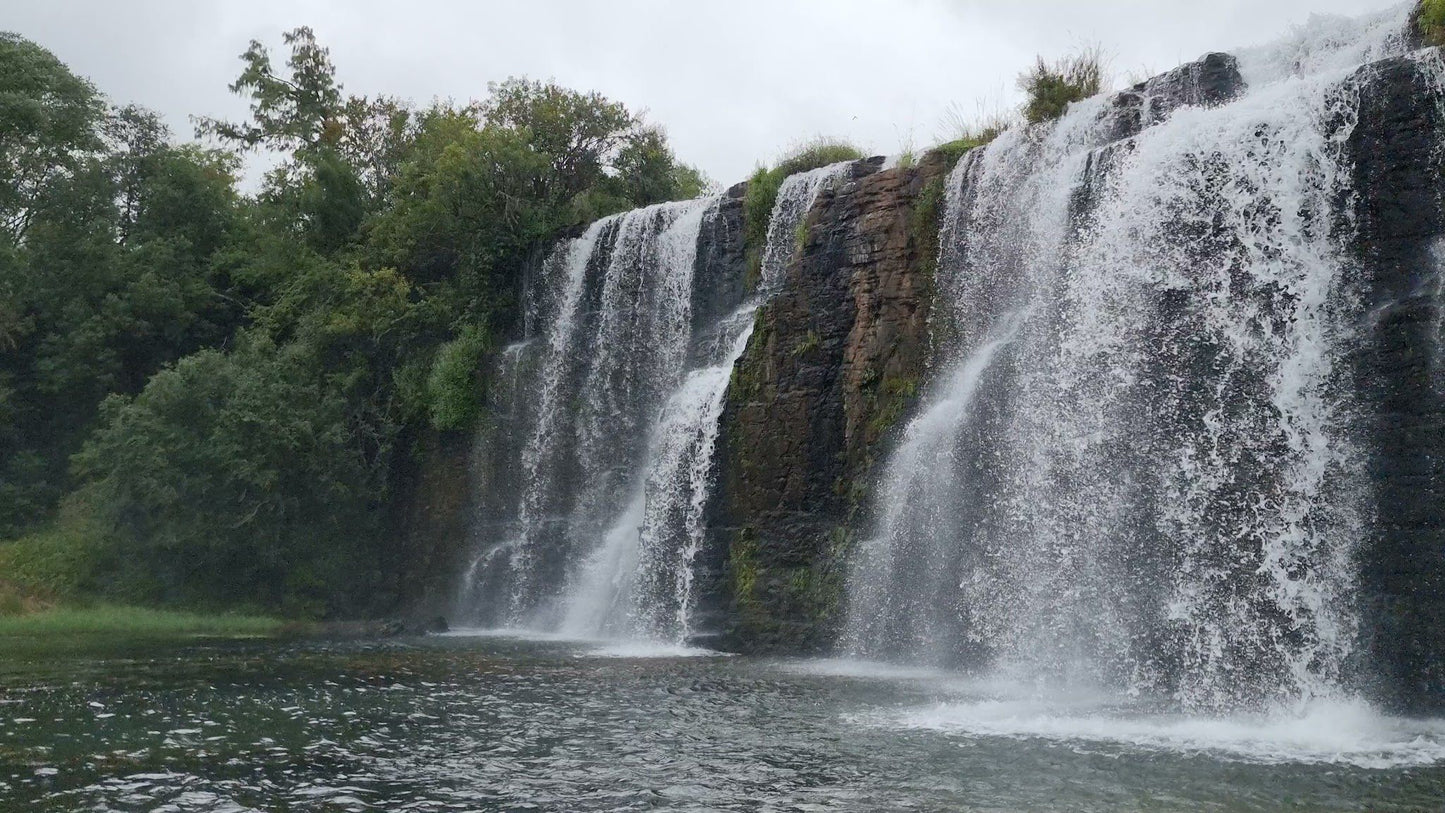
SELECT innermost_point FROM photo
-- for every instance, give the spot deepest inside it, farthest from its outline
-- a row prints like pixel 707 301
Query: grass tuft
pixel 1052 86
pixel 1430 21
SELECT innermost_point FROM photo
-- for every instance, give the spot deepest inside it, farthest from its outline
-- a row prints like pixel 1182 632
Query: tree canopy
pixel 214 390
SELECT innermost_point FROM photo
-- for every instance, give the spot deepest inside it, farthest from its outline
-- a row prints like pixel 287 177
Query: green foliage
pixel 112 281
pixel 222 383
pixel 295 112
pixel 59 561
pixel 924 220
pixel 135 622
pixel 1052 87
pixel 743 570
pixel 453 388
pixel 235 478
pixel 579 132
pixel 689 182
pixel 927 213
pixel 810 342
pixel 50 118
pixel 1430 21
pixel 952 151
pixel 762 193
pixel 890 401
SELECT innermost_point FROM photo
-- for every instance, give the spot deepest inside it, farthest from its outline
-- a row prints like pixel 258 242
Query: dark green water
pixel 479 723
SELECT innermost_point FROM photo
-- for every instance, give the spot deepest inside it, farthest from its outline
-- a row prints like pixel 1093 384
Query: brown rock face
pixel 835 361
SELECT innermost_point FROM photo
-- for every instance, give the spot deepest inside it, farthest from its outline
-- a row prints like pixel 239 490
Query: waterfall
pixel 590 525
pixel 639 582
pixel 1138 469
pixel 609 324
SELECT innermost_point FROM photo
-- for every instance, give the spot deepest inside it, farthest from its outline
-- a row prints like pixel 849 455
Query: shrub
pixel 60 560
pixel 454 393
pixel 763 192
pixel 1051 88
pixel 238 478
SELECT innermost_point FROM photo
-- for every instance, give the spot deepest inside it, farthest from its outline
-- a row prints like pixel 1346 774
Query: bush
pixel 1051 88
pixel 238 479
pixel 454 392
pixel 59 561
pixel 763 192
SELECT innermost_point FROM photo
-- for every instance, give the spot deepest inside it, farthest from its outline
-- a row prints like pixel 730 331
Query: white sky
pixel 734 83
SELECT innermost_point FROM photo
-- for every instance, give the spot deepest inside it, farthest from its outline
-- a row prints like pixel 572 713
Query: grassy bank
pixel 135 622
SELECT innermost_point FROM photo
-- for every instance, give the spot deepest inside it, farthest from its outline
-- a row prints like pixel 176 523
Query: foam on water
pixel 1347 732
pixel 649 649
pixel 867 670
pixel 588 647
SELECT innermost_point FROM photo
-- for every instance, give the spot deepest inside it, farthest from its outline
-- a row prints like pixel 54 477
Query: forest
pixel 207 391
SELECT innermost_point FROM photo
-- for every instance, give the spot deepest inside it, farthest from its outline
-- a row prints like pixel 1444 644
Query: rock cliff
pixel 1400 369
pixel 836 359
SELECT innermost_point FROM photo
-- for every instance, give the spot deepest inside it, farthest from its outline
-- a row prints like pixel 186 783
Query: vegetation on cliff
pixel 763 192
pixel 1051 87
pixel 205 393
pixel 1430 21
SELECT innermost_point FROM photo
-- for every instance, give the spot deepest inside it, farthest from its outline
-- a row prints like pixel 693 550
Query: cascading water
pixel 639 582
pixel 1140 473
pixel 609 324
pixel 600 538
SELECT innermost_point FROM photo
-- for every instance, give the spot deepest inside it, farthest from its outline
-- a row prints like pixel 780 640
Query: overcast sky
pixel 734 82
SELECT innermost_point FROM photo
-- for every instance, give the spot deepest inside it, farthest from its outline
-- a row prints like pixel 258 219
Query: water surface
pixel 499 723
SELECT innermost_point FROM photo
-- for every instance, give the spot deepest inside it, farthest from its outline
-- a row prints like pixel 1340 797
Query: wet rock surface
pixel 1400 370
pixel 834 363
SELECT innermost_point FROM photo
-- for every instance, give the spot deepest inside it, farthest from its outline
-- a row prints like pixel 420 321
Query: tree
pixel 580 133
pixel 225 385
pixel 297 112
pixel 48 119
pixel 234 479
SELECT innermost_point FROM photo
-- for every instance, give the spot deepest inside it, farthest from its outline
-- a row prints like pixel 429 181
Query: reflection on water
pixel 498 723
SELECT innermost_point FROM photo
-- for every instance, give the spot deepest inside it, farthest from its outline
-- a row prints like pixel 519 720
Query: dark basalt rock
pixel 429 521
pixel 833 364
pixel 719 280
pixel 1212 80
pixel 1400 371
